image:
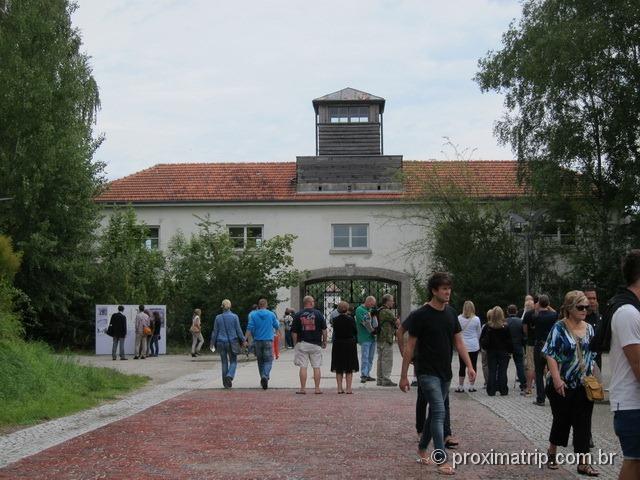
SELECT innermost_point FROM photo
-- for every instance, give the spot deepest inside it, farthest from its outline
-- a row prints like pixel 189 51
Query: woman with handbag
pixel 227 337
pixel 196 333
pixel 571 387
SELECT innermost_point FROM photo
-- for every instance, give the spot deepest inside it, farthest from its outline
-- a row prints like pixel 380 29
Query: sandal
pixel 425 461
pixel 552 464
pixel 451 444
pixel 446 470
pixel 587 470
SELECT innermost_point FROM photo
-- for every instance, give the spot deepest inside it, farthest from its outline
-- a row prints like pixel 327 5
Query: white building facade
pixel 346 205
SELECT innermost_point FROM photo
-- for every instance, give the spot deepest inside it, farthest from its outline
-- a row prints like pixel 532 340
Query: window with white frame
pixel 348 114
pixel 350 236
pixel 152 241
pixel 245 236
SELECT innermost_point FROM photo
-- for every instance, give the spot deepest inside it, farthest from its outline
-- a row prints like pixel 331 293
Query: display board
pixel 104 342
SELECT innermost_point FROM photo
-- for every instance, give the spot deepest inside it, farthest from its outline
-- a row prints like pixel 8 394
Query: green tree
pixel 468 236
pixel 570 74
pixel 48 101
pixel 127 271
pixel 205 269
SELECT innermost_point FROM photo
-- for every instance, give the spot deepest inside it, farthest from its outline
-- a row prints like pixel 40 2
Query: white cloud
pixel 203 80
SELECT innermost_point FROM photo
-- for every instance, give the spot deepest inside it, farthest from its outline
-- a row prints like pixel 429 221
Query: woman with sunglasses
pixel 570 359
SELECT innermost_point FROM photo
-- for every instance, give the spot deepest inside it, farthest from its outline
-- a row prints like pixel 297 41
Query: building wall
pixel 388 235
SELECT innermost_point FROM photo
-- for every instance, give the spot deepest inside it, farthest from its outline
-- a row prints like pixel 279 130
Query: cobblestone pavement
pixel 271 434
pixel 196 430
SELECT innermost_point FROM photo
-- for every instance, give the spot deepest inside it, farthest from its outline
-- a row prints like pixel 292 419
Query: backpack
pixel 601 342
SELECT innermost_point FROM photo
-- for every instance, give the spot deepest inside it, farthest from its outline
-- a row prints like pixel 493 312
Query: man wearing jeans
pixel 365 338
pixel 262 325
pixel 624 354
pixel 544 322
pixel 433 332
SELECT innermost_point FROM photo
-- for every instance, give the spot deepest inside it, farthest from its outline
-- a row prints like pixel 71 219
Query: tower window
pixel 348 114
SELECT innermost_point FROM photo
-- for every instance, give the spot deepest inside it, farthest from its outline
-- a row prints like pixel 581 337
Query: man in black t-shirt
pixel 433 332
pixel 543 321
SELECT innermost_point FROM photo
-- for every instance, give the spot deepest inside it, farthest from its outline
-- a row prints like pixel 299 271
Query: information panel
pixel 104 342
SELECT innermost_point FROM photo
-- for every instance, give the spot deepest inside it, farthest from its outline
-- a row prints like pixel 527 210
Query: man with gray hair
pixel 366 339
pixel 387 324
pixel 309 332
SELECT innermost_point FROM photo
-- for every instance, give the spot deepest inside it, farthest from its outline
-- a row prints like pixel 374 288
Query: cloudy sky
pixel 232 81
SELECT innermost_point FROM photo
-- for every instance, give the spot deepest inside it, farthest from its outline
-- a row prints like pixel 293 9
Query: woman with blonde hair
pixel 470 326
pixel 496 340
pixel 570 359
pixel 227 337
pixel 196 333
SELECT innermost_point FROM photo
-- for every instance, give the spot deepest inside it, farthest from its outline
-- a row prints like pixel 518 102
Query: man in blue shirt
pixel 261 327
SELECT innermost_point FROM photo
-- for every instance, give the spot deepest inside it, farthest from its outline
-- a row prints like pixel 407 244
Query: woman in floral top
pixel 570 359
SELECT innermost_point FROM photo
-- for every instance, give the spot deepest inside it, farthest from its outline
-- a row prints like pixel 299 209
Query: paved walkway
pixel 191 428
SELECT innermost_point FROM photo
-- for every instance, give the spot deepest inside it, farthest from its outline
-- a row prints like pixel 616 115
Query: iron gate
pixel 331 291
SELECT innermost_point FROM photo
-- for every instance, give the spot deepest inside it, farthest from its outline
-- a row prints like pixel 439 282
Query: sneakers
pixel 363 379
pixel 370 379
pixel 459 389
pixel 227 382
pixel 265 383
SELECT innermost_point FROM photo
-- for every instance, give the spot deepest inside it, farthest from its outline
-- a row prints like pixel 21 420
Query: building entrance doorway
pixel 328 292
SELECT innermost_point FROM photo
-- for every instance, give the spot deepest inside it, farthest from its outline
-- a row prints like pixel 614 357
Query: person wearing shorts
pixel 309 332
pixel 624 353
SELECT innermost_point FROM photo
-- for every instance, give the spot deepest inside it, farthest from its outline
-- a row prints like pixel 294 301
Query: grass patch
pixel 36 385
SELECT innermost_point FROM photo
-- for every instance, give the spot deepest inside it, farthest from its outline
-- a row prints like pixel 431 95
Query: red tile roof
pixel 262 182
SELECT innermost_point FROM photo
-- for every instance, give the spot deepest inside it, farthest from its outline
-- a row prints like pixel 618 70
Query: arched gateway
pixel 353 284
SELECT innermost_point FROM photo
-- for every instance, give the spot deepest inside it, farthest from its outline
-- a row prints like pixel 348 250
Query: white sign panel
pixel 104 342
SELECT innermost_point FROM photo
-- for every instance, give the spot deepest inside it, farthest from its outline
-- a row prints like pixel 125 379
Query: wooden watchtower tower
pixel 349 147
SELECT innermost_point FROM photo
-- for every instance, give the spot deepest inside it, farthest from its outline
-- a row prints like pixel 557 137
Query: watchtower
pixel 349 146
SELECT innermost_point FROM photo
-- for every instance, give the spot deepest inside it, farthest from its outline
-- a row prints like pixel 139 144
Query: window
pixel 246 236
pixel 348 114
pixel 354 236
pixel 152 242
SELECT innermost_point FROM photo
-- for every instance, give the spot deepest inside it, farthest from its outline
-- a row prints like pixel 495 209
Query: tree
pixel 468 237
pixel 48 101
pixel 127 271
pixel 570 74
pixel 205 269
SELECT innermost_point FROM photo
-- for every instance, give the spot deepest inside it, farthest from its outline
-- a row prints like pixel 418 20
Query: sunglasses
pixel 582 308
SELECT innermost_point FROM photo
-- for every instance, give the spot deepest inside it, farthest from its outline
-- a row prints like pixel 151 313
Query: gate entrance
pixel 328 292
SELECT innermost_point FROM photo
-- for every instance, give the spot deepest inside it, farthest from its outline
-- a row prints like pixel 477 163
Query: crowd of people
pixel 147 333
pixel 556 353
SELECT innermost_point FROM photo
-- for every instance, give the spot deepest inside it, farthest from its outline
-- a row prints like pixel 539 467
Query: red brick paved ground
pixel 274 434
